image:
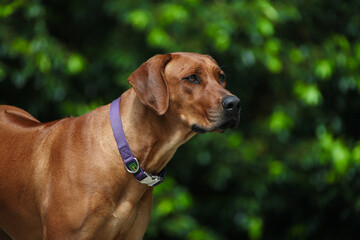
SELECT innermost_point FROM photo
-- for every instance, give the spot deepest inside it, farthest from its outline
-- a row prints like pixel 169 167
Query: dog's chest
pixel 118 222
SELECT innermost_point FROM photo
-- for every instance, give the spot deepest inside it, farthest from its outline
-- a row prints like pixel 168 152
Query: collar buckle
pixel 151 180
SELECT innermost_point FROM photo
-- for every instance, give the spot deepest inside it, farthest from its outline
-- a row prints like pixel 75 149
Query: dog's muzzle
pixel 231 115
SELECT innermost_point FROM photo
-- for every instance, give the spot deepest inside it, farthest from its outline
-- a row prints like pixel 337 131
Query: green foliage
pixel 291 169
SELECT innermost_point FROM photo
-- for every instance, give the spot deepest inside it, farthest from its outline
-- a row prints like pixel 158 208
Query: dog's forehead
pixel 194 57
pixel 183 60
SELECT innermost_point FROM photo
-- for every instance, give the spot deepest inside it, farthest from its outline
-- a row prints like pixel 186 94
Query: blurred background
pixel 292 168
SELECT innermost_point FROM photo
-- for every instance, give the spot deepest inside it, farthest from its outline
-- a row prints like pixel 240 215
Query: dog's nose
pixel 231 104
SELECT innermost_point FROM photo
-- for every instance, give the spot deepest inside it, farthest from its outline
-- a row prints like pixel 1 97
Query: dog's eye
pixel 193 79
pixel 222 78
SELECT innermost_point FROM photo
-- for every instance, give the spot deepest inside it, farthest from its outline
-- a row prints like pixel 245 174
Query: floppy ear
pixel 150 84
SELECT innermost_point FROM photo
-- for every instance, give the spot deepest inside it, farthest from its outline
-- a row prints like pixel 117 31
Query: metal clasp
pixel 151 180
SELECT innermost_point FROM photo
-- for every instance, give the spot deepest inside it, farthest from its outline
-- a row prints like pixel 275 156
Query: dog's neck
pixel 153 139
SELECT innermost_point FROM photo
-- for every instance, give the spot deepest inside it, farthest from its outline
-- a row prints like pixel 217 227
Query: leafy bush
pixel 290 171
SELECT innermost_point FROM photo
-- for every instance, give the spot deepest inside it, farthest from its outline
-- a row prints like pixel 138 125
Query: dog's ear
pixel 150 84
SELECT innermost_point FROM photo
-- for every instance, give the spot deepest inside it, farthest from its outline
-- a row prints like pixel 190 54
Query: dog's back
pixel 13 113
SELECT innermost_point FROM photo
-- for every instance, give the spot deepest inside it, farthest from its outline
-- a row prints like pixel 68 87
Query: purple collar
pixel 131 163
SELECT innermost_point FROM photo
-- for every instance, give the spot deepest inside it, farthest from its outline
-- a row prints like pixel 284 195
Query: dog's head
pixel 189 86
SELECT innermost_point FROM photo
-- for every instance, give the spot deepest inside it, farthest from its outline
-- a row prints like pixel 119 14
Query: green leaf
pixel 165 207
pixel 222 41
pixel 341 155
pixel 280 121
pixel 269 10
pixel 43 62
pixel 356 153
pixel 157 37
pixel 273 64
pixel 276 168
pixel 8 9
pixel 20 45
pixel 357 51
pixel 265 27
pixel 75 64
pixel 323 69
pixel 296 55
pixel 138 18
pixel 255 228
pixel 272 46
pixel 173 13
pixel 308 93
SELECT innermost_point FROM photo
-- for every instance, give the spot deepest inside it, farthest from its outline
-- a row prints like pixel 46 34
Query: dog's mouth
pixel 229 123
pixel 232 123
pixel 196 128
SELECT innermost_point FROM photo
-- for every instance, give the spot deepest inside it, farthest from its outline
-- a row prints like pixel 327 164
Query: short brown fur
pixel 66 180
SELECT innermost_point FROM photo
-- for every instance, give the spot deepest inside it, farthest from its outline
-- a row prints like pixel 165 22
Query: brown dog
pixel 66 180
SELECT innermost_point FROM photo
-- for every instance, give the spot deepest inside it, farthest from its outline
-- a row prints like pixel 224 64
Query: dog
pixel 68 179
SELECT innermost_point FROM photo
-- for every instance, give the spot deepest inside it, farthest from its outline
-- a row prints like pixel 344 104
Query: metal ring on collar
pixel 133 166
